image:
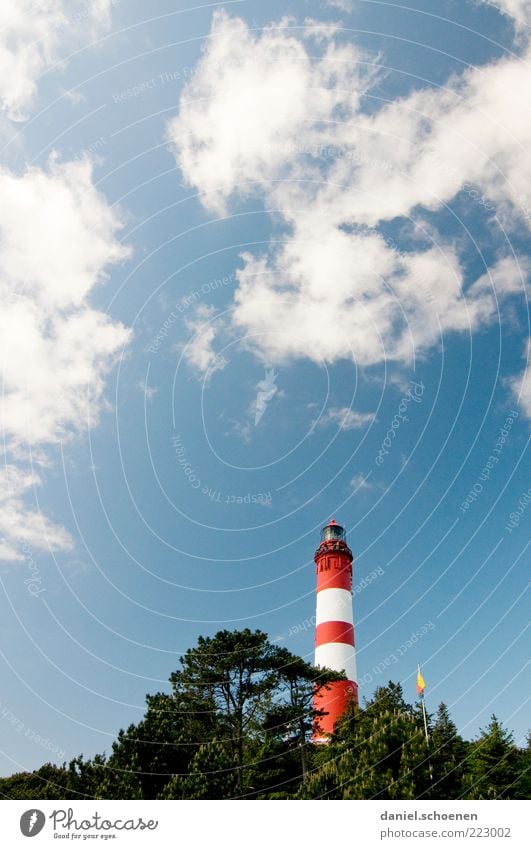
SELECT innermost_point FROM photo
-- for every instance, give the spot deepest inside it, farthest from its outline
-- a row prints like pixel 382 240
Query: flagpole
pixel 423 710
pixel 425 723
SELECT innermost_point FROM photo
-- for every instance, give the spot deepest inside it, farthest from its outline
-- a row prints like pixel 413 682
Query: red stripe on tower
pixel 334 635
pixel 334 632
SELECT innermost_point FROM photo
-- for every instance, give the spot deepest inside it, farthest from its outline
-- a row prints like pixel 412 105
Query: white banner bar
pixel 250 824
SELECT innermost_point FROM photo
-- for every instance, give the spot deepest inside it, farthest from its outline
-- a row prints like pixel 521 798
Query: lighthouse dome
pixel 332 531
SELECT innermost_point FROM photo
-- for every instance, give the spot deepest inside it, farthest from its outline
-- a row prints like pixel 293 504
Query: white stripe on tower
pixel 338 656
pixel 333 604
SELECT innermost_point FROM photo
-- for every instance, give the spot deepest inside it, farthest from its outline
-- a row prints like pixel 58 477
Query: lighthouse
pixel 334 629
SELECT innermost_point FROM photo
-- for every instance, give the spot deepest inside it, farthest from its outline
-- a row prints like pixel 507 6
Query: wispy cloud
pixel 199 351
pixel 32 36
pixel 21 524
pixel 521 385
pixel 345 418
pixel 518 10
pixel 360 482
pixel 266 389
pixel 149 391
pixel 342 5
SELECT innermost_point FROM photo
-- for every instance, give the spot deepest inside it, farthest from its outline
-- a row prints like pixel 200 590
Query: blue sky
pixel 263 264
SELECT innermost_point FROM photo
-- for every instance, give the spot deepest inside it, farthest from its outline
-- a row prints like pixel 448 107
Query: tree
pixel 235 671
pixel 211 775
pixel 236 696
pixel 238 724
pixel 388 698
pixel 399 762
pixel 294 716
pixel 163 743
pixel 324 783
pixel 523 785
pixel 378 752
pixel 47 782
pixel 85 776
pixel 494 764
pixel 389 759
pixel 448 754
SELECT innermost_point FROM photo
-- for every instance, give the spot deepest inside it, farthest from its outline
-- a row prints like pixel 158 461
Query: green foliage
pixel 377 753
pixel 234 671
pixel 449 756
pixel 238 724
pixel 324 783
pixel 388 698
pixel 78 780
pixel 47 782
pixel 522 788
pixel 494 765
pixel 145 757
pixel 211 775
pixel 85 776
pixel 292 719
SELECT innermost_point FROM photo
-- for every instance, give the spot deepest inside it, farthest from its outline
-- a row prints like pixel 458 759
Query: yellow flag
pixel 420 682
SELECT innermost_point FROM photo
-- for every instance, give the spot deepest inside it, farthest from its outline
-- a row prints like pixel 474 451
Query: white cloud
pixel 359 482
pixel 520 10
pixel 21 525
pixel 382 306
pixel 425 148
pixel 241 123
pixel 250 103
pixel 342 5
pixel 508 276
pixel 69 226
pixel 31 37
pixel 521 385
pixel 58 237
pixel 199 351
pixel 266 389
pixel 53 370
pixel 261 116
pixel 148 391
pixel 345 418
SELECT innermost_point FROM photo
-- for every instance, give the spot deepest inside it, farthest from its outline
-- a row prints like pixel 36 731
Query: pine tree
pixel 234 671
pixel 364 768
pixel 85 777
pixel 448 753
pixel 324 783
pixel 522 788
pixel 493 764
pixel 414 779
pixel 47 782
pixel 212 775
pixel 390 697
pixel 378 753
pixel 292 718
pixel 146 755
pixel 121 783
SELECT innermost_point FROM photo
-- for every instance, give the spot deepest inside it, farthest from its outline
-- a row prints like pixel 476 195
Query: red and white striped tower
pixel 334 634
